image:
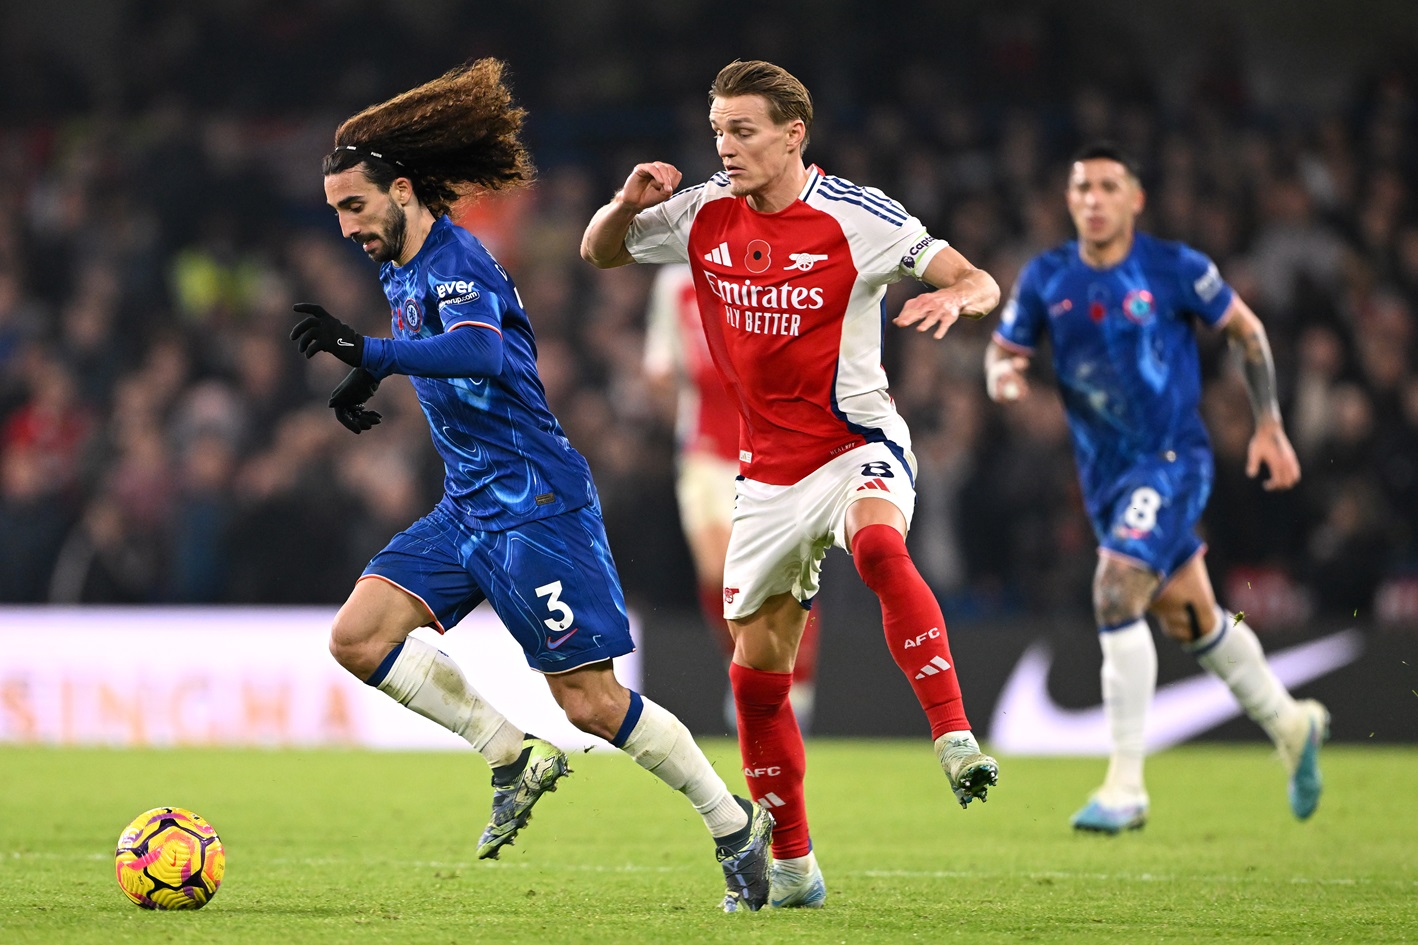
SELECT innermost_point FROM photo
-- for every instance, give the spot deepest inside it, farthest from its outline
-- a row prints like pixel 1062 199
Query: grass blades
pixel 344 847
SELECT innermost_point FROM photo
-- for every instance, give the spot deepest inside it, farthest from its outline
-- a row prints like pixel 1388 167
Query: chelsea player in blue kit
pixel 1118 307
pixel 519 524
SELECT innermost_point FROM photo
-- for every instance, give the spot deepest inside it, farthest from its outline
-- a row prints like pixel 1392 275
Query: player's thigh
pixel 782 533
pixel 1122 589
pixel 872 511
pixel 426 563
pixel 554 585
pixel 709 546
pixel 876 471
pixel 704 490
pixel 1186 604
pixel 376 612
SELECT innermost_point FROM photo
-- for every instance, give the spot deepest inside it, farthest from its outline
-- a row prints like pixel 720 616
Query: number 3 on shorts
pixel 556 605
pixel 1142 509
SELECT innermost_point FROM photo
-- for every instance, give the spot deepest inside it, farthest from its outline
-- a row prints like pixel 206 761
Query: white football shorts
pixel 782 533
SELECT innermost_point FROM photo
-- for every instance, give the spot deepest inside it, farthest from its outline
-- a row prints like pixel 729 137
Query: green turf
pixel 351 847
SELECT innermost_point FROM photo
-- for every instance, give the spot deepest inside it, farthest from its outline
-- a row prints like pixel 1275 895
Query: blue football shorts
pixel 1149 512
pixel 552 582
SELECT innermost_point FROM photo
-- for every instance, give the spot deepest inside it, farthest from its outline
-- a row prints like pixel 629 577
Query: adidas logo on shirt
pixel 720 254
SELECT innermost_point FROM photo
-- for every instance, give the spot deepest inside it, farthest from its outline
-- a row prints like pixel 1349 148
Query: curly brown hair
pixel 450 137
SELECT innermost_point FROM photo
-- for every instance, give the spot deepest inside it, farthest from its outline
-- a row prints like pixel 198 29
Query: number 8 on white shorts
pixel 781 533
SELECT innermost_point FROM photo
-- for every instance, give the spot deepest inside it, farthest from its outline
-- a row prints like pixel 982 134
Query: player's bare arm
pixel 603 243
pixel 1005 379
pixel 1269 445
pixel 961 290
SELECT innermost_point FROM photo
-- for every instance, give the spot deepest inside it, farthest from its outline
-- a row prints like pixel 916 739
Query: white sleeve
pixel 663 348
pixel 888 242
pixel 661 234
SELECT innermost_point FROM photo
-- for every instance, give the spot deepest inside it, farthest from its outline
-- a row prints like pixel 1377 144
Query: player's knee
pixel 361 659
pixel 875 551
pixel 577 709
pixel 1112 607
pixel 350 656
pixel 593 703
pixel 1187 623
pixel 594 716
pixel 1170 626
pixel 759 691
pixel 356 648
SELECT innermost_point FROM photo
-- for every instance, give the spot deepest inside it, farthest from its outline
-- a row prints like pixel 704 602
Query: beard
pixel 392 235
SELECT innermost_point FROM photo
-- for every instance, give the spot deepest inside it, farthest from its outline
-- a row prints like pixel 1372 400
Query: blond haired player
pixel 707 456
pixel 790 270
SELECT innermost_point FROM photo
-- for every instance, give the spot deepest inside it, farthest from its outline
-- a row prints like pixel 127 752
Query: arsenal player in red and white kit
pixel 707 453
pixel 791 267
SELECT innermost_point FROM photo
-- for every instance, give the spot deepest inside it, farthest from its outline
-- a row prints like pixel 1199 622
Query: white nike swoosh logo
pixel 343 343
pixel 1027 721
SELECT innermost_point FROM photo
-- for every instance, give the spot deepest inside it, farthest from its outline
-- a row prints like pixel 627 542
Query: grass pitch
pixel 351 847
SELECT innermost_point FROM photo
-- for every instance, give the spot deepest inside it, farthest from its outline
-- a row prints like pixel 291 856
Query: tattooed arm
pixel 1269 445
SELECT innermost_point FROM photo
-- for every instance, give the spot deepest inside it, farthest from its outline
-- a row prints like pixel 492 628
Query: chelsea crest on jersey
pixel 506 458
pixel 1124 349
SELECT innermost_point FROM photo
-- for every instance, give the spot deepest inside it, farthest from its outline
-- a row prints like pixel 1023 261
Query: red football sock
pixel 915 627
pixel 772 750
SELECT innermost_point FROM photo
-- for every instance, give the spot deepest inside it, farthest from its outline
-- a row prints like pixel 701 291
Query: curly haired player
pixel 519 524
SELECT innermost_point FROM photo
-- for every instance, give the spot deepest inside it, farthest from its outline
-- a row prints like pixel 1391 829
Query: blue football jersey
pixel 505 456
pixel 1124 349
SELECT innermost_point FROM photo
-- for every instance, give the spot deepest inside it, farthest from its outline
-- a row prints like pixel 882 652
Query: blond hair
pixel 788 99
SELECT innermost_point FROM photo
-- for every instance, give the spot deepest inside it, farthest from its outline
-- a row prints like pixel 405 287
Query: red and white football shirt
pixel 792 308
pixel 708 419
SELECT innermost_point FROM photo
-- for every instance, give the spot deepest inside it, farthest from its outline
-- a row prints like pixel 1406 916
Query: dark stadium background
pixel 160 210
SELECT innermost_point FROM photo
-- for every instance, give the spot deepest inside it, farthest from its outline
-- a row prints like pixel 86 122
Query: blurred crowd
pixel 161 209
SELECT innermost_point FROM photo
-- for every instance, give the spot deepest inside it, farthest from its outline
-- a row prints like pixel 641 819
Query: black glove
pixel 349 398
pixel 321 331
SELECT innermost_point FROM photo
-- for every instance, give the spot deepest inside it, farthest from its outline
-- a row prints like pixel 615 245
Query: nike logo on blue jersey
pixel 1027 721
pixel 553 644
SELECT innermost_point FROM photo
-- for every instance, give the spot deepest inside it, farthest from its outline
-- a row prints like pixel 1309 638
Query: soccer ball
pixel 169 858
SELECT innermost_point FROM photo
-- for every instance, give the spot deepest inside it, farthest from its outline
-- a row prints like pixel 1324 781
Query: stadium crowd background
pixel 161 209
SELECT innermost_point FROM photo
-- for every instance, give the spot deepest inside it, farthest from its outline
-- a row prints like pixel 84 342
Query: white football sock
pixel 427 681
pixel 797 866
pixel 1129 678
pixel 1232 653
pixel 661 745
